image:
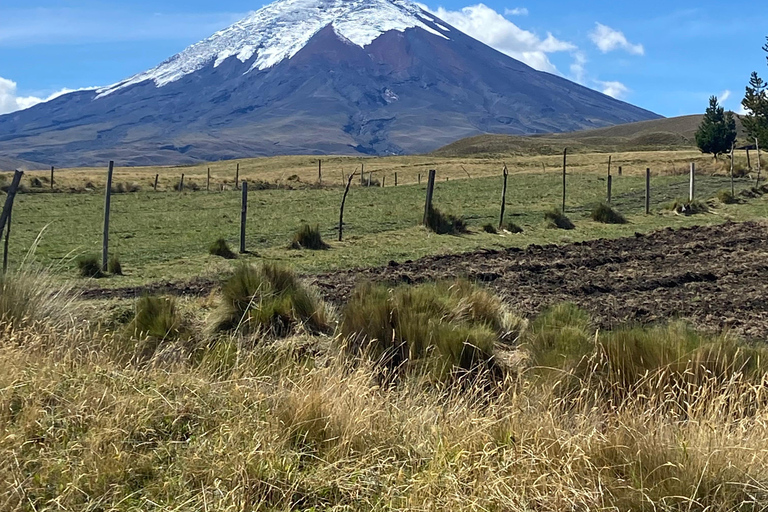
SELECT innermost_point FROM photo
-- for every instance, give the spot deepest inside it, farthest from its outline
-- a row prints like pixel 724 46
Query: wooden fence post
pixel 505 173
pixel 343 201
pixel 565 161
pixel 395 179
pixel 181 183
pixel 647 191
pixel 362 174
pixel 430 191
pixel 156 177
pixel 237 176
pixel 692 183
pixel 610 185
pixel 7 238
pixel 107 201
pixel 733 193
pixel 52 177
pixel 749 163
pixel 243 215
pixel 419 178
pixel 5 217
pixel 208 181
pixel 320 172
pixel 619 170
pixel 757 144
pixel 383 181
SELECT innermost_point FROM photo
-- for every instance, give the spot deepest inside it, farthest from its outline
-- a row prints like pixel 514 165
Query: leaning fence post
pixel 692 183
pixel 7 238
pixel 430 190
pixel 243 215
pixel 107 201
pixel 52 177
pixel 343 202
pixel 237 176
pixel 565 159
pixel 5 217
pixel 647 191
pixel 181 183
pixel 156 177
pixel 505 173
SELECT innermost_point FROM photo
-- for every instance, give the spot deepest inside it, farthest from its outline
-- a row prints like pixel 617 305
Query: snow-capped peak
pixel 279 30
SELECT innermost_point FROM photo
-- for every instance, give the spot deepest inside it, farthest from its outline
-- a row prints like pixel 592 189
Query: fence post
pixel 156 177
pixel 320 172
pixel 343 201
pixel 52 177
pixel 647 191
pixel 383 181
pixel 692 184
pixel 619 170
pixel 7 237
pixel 733 192
pixel 208 181
pixel 609 164
pixel 610 185
pixel 362 174
pixel 565 160
pixel 237 176
pixel 370 177
pixel 419 178
pixel 757 144
pixel 181 183
pixel 505 173
pixel 749 163
pixel 395 179
pixel 430 190
pixel 243 214
pixel 5 217
pixel 107 201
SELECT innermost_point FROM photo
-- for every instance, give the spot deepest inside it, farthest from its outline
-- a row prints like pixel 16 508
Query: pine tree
pixel 717 130
pixel 755 102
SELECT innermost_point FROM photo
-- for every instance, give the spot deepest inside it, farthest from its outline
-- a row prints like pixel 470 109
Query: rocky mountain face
pixel 309 77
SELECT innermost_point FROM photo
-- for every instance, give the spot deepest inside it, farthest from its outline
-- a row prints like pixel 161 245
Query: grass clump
pixel 512 228
pixel 560 337
pixel 309 237
pixel 221 248
pixel 89 266
pixel 114 266
pixel 555 218
pixel 685 207
pixel 489 228
pixel 30 297
pixel 438 328
pixel 268 299
pixel 607 215
pixel 725 197
pixel 445 224
pixel 156 321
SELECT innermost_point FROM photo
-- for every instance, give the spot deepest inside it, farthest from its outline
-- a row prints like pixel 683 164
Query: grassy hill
pixel 659 134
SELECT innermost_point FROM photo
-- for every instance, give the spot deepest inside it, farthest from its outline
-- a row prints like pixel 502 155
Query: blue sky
pixel 666 56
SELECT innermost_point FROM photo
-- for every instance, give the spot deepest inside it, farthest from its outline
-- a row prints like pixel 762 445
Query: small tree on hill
pixel 717 130
pixel 755 102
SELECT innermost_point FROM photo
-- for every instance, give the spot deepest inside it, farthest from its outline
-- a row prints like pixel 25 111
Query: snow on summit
pixel 279 30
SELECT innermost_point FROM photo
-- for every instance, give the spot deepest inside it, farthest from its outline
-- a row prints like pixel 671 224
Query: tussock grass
pixel 156 321
pixel 555 218
pixel 512 228
pixel 438 328
pixel 445 224
pixel 89 266
pixel 725 197
pixel 607 215
pixel 268 299
pixel 490 228
pixel 686 207
pixel 221 248
pixel 31 298
pixel 114 266
pixel 309 237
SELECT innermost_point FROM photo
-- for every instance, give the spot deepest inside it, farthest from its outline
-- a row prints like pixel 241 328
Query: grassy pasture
pixel 166 235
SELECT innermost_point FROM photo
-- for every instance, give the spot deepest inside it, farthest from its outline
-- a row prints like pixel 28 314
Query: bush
pixel 557 219
pixel 30 297
pixel 725 197
pixel 489 228
pixel 114 266
pixel 156 320
pixel 308 237
pixel 221 248
pixel 438 328
pixel 89 266
pixel 268 299
pixel 444 224
pixel 607 215
pixel 694 207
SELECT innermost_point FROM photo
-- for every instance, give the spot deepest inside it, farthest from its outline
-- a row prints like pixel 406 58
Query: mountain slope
pixel 310 77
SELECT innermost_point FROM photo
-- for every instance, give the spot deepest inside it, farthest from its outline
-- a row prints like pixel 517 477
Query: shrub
pixel 89 266
pixel 445 224
pixel 114 266
pixel 686 207
pixel 438 328
pixel 489 228
pixel 221 248
pixel 30 297
pixel 607 215
pixel 308 237
pixel 512 227
pixel 557 219
pixel 268 299
pixel 725 197
pixel 156 320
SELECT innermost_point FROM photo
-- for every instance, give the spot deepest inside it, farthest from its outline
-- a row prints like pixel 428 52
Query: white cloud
pixel 723 97
pixel 517 11
pixel 490 27
pixel 578 67
pixel 613 89
pixel 10 101
pixel 608 39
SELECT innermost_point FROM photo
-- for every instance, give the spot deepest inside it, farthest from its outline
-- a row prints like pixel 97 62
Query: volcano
pixel 375 77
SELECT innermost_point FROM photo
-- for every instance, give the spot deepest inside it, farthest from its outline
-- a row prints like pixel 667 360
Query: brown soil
pixel 715 277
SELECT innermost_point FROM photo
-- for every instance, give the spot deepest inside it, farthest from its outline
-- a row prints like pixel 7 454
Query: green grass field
pixel 165 235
